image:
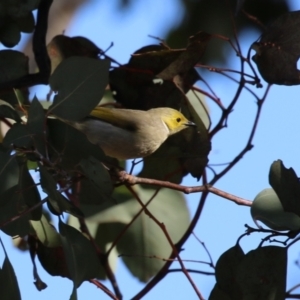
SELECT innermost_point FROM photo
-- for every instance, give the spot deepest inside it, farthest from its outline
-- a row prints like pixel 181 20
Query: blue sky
pixel 222 221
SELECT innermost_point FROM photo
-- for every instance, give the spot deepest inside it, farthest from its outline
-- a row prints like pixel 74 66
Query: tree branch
pixel 132 180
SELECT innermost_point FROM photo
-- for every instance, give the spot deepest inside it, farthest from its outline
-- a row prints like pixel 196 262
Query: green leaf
pixel 167 155
pixel 21 8
pixel 198 108
pixel 82 260
pixel 268 209
pixel 80 83
pixel 286 185
pixel 98 175
pixel 7 111
pixel 217 294
pixel 143 238
pixel 11 205
pixel 9 284
pixel 19 136
pixel 14 63
pixel 26 22
pixel 46 232
pixel 36 125
pixel 70 145
pixel 28 192
pixel 262 274
pixel 9 171
pixel 36 117
pixel 10 34
pixel 279 43
pixel 226 269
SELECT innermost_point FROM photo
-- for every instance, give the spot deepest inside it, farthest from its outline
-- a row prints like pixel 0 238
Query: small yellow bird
pixel 126 133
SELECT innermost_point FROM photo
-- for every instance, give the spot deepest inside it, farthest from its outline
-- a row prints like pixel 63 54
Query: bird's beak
pixel 190 123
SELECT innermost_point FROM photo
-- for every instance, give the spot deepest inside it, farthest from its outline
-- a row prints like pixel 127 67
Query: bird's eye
pixel 178 120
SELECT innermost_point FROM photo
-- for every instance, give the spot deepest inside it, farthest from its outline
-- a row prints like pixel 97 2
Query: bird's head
pixel 174 120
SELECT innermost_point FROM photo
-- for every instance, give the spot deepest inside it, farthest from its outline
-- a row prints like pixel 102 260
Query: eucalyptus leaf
pixel 11 205
pixel 9 171
pixel 14 63
pixel 36 117
pixel 262 273
pixel 46 233
pixel 96 173
pixel 286 184
pixel 268 209
pixel 82 260
pixel 217 294
pixel 18 136
pixel 28 192
pixel 144 237
pixel 71 146
pixel 7 111
pixel 80 83
pixel 9 284
pixel 226 269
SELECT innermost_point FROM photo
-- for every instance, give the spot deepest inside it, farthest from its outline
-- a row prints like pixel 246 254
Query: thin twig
pixel 104 289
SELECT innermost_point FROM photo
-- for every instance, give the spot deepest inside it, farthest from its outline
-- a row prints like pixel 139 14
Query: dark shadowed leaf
pixel 262 273
pixel 62 47
pixel 36 117
pixel 57 201
pixel 11 205
pixel 14 64
pixel 36 125
pixel 96 173
pixel 10 35
pixel 8 282
pixel 157 76
pixel 9 171
pixel 286 184
pixel 53 259
pixel 80 83
pixel 7 111
pixel 70 145
pixel 217 294
pixel 28 192
pixel 82 260
pixel 19 136
pixel 26 22
pixel 278 50
pixel 226 269
pixel 46 232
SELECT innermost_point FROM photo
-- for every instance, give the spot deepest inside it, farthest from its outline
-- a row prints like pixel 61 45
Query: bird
pixel 127 133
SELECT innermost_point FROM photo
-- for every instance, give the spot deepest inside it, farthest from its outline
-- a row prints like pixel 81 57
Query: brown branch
pixel 175 251
pixel 211 263
pixel 132 180
pixel 249 145
pixel 163 258
pixel 114 243
pixel 104 289
pixel 192 271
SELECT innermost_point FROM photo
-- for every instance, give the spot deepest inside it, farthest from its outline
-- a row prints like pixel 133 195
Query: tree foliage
pixel 103 211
